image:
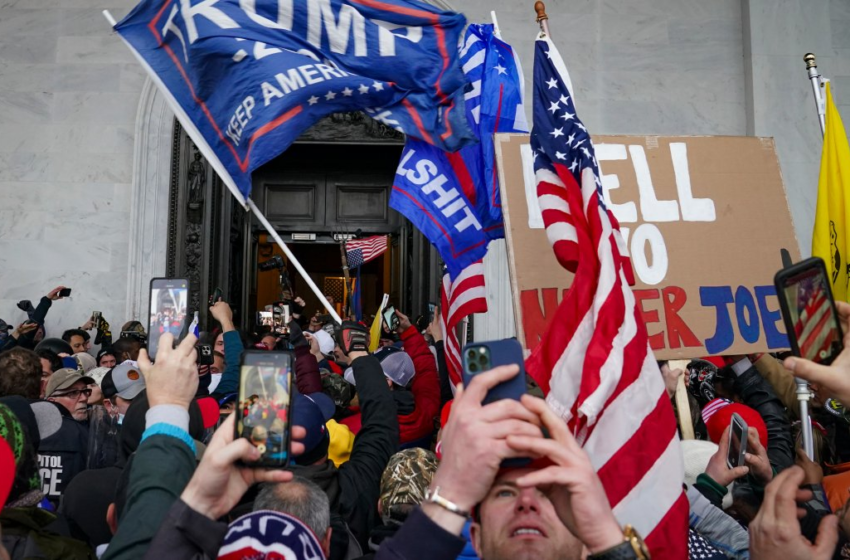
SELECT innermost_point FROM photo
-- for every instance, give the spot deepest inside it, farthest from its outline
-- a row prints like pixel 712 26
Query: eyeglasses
pixel 75 394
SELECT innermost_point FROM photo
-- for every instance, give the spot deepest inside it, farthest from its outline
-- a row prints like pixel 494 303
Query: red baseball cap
pixel 717 416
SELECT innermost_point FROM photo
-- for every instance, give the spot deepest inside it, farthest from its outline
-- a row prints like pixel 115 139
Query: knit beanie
pixel 26 467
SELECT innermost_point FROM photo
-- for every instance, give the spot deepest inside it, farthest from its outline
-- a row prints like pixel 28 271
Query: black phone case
pixel 780 280
pixel 240 397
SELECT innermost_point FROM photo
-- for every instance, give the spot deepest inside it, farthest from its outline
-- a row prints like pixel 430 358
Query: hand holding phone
pixel 809 311
pixel 737 452
pixel 390 318
pixel 484 356
pixel 264 411
pixel 169 298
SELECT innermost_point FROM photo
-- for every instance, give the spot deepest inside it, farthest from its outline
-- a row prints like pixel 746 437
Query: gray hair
pixel 299 498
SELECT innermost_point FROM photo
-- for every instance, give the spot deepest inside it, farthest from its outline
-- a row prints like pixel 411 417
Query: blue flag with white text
pixel 453 198
pixel 247 77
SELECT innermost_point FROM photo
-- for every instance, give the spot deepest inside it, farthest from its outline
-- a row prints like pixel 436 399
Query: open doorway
pixel 323 262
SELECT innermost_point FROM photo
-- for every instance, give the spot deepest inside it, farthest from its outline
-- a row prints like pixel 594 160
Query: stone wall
pixel 69 90
pixel 69 95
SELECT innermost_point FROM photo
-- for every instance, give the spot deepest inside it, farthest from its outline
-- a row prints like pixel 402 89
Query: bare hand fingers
pixel 271 475
pixel 786 485
pixel 827 536
pixel 557 428
pixel 508 408
pixel 505 428
pixel 481 383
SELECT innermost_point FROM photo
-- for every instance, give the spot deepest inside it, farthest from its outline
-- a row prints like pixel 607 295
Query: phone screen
pixel 263 415
pixel 431 309
pixel 812 315
pixel 265 318
pixel 169 298
pixel 390 318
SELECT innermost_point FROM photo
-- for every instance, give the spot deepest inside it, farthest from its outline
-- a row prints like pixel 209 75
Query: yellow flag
pixel 375 333
pixel 831 236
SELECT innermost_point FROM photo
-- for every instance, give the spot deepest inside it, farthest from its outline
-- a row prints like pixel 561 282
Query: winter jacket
pixel 425 388
pixel 160 470
pixel 30 534
pixel 720 530
pixel 354 488
pixel 232 356
pixel 757 393
pixel 421 539
pixel 63 455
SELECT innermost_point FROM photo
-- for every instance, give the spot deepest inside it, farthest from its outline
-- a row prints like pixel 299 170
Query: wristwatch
pixel 632 547
pixel 434 497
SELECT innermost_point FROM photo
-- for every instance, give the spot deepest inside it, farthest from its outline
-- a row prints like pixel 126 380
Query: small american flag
pixel 459 299
pixel 594 361
pixel 361 251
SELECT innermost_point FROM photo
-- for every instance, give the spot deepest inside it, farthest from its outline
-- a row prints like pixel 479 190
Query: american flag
pixel 360 251
pixel 459 299
pixel 815 328
pixel 594 361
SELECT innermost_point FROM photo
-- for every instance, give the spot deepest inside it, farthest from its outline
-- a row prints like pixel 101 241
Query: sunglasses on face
pixel 75 394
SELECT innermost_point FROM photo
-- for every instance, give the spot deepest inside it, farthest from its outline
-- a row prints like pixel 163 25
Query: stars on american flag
pixel 363 89
pixel 330 95
pixel 347 92
pixel 560 134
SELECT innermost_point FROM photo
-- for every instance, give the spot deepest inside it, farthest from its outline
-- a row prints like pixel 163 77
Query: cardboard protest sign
pixel 704 219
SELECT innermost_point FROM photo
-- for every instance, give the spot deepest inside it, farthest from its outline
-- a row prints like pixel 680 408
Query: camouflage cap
pixel 337 388
pixel 405 481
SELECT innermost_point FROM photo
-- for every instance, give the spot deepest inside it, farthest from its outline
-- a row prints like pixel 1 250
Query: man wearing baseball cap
pixel 69 388
pixel 63 455
pixel 120 386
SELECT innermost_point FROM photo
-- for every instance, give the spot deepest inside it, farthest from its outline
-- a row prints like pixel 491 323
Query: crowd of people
pixel 106 454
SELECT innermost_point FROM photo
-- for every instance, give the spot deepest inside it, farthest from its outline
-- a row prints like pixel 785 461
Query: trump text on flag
pixel 685 208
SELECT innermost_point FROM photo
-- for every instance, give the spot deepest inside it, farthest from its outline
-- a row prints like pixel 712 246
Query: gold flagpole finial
pixel 810 61
pixel 540 8
pixel 542 18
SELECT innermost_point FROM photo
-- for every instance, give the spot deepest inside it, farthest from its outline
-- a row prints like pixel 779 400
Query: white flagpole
pixel 496 30
pixel 816 79
pixel 804 394
pixel 210 156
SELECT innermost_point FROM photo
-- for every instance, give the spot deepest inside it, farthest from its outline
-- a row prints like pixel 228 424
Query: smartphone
pixel 65 292
pixel 263 413
pixel 431 309
pixel 216 295
pixel 390 318
pixel 484 356
pixel 169 298
pixel 737 451
pixel 811 319
pixel 265 319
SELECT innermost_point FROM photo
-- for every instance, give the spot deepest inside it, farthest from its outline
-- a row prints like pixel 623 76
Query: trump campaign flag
pixel 594 360
pixel 453 198
pixel 247 77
